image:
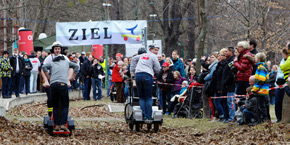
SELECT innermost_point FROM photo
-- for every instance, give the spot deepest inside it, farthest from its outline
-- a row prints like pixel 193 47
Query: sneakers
pixel 57 128
pixel 63 127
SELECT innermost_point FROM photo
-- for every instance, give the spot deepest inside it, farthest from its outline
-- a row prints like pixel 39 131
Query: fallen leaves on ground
pixel 100 132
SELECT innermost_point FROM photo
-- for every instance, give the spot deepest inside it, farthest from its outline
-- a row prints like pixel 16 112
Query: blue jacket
pixel 212 69
pixel 179 66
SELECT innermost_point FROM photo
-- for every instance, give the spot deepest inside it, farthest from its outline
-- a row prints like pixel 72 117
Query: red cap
pixel 165 64
pixel 119 54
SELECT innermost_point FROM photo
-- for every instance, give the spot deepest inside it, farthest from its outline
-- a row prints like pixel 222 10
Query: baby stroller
pixel 192 104
pixel 133 112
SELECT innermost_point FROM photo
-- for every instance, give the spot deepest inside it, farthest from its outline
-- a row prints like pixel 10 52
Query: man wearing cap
pixel 83 58
pixel 165 76
pixel 17 62
pixel 5 74
pixel 59 81
pixel 144 70
pixel 189 63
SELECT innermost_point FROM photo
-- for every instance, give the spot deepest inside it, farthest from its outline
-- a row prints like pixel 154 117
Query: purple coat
pixel 178 83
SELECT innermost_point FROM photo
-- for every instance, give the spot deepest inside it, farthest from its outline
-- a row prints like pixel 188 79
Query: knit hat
pixel 5 52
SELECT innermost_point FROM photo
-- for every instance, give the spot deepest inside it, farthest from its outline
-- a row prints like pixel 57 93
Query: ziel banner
pixel 100 32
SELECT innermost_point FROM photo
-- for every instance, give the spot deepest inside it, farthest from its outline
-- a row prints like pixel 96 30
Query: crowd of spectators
pixel 225 74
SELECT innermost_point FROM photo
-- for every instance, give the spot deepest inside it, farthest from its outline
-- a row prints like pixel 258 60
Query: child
pixel 176 90
pixel 250 108
pixel 165 76
pixel 261 87
pixel 180 97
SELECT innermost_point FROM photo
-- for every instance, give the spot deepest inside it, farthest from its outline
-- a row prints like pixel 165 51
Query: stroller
pixel 133 112
pixel 192 104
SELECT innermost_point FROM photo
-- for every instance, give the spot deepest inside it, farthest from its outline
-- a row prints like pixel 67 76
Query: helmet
pixel 153 46
pixel 56 44
pixel 141 50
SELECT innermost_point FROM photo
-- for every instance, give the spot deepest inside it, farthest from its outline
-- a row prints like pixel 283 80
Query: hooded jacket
pixel 244 66
pixel 179 66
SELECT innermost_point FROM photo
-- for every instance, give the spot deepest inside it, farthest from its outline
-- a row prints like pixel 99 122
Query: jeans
pixel 27 84
pixel 21 87
pixel 97 83
pixel 278 103
pixel 109 87
pixel 144 84
pixel 126 90
pixel 218 105
pixel 87 88
pixel 60 101
pixel 248 114
pixel 166 96
pixel 160 98
pixel 15 84
pixel 241 87
pixel 33 81
pixel 5 87
pixel 224 102
pixel 75 83
pixel 231 105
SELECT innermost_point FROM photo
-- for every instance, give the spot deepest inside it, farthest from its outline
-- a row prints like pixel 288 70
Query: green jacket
pixel 5 67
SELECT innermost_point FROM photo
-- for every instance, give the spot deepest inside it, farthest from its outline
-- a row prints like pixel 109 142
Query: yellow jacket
pixel 103 64
pixel 285 68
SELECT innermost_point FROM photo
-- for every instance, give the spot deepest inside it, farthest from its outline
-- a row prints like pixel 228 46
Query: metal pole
pixel 106 68
pixel 106 51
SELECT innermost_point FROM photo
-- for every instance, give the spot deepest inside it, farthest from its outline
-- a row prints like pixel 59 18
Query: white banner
pixel 132 49
pixel 100 32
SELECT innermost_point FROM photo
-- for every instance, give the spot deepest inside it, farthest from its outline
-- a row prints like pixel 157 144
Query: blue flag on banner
pixel 15 44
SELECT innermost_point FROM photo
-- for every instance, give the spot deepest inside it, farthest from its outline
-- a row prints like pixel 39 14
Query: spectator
pixel 34 72
pixel 217 78
pixel 253 50
pixel 272 80
pixel 83 58
pixel 171 65
pixel 27 73
pixel 5 74
pixel 163 56
pixel 261 87
pixel 187 68
pixel 117 79
pixel 178 65
pixel 85 72
pixel 97 74
pixel 17 63
pixel 192 75
pixel 161 61
pixel 228 85
pixel 208 86
pixel 281 79
pixel 250 107
pixel 165 76
pixel 178 79
pixel 244 66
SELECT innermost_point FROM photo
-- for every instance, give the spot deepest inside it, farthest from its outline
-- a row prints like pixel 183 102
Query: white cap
pixel 83 52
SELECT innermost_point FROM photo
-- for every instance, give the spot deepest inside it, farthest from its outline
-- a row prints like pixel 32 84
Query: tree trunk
pixel 286 109
pixel 201 42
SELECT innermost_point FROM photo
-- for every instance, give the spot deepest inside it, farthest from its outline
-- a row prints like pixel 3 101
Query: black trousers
pixel 60 100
